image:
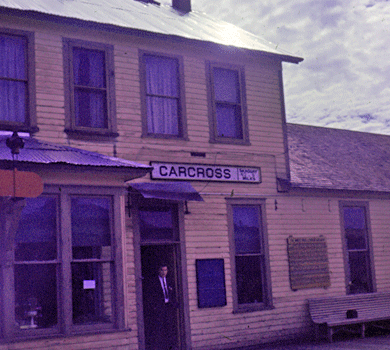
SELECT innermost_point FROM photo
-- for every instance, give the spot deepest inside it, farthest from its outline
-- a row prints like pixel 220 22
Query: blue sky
pixel 344 80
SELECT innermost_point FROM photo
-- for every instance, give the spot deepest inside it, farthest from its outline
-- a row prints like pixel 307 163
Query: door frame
pixel 182 278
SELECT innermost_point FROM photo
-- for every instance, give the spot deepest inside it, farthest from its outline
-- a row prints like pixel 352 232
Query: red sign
pixel 16 183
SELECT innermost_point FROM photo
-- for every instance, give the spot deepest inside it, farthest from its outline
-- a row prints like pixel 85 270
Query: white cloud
pixel 346 47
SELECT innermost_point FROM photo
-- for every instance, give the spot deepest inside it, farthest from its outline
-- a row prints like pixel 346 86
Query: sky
pixel 344 80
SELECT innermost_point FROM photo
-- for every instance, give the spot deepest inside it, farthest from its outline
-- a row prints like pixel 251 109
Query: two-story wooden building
pixel 160 136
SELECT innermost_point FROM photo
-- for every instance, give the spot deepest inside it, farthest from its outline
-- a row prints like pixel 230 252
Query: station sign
pixel 204 172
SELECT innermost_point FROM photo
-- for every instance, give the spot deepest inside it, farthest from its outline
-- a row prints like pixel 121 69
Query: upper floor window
pixel 228 121
pixel 251 279
pixel 163 98
pixel 90 88
pixel 17 109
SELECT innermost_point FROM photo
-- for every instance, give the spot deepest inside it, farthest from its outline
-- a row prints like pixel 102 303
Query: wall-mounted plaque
pixel 308 262
pixel 210 277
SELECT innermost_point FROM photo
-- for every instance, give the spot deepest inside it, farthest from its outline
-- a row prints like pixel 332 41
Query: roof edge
pixel 36 15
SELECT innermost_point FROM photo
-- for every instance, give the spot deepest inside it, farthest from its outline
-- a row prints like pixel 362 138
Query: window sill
pixel 18 127
pixel 165 137
pixel 19 338
pixel 91 134
pixel 230 141
pixel 252 308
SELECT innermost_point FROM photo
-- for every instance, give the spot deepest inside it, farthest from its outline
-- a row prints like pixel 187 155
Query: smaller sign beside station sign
pixel 204 172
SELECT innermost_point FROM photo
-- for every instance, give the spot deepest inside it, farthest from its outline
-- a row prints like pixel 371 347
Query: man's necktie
pixel 165 289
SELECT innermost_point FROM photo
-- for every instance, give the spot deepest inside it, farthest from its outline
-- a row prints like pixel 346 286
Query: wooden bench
pixel 330 313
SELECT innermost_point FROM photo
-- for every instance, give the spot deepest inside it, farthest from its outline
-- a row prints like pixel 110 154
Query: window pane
pixel 13 101
pixel 36 296
pixel 162 76
pixel 246 229
pixel 226 85
pixel 163 117
pixel 360 272
pixel 249 279
pixel 156 225
pixel 355 227
pixel 162 90
pixel 91 292
pixel 90 108
pixel 13 94
pixel 36 235
pixel 91 233
pixel 13 57
pixel 89 67
pixel 228 121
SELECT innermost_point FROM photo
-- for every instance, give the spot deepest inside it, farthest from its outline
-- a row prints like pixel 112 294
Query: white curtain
pixel 227 103
pixel 162 90
pixel 13 85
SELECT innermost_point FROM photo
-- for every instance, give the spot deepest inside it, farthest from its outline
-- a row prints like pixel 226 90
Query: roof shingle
pixel 337 159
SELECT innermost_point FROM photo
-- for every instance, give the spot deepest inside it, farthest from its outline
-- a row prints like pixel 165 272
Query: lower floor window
pixel 63 272
pixel 252 290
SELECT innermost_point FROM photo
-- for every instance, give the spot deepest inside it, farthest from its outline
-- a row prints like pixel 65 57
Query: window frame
pixel 369 250
pixel 71 128
pixel 63 262
pixel 214 138
pixel 182 119
pixel 267 303
pixel 30 123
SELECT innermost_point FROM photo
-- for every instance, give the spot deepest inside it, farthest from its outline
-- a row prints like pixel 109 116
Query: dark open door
pixel 160 245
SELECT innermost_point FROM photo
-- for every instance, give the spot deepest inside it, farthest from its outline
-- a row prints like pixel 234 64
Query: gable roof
pixel 145 19
pixel 36 152
pixel 337 159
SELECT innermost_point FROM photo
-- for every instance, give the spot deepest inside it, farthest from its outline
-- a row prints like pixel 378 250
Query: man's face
pixel 163 271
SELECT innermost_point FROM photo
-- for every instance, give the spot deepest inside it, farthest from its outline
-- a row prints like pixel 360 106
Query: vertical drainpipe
pixel 182 5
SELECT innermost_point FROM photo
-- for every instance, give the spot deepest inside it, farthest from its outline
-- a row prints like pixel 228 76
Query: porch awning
pixel 178 191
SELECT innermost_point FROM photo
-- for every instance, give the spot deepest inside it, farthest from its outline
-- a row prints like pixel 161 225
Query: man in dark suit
pixel 162 305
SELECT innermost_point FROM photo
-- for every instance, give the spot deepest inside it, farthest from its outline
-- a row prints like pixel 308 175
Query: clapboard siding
pixel 305 214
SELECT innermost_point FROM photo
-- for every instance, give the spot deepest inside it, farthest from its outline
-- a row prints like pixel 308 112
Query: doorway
pixel 160 246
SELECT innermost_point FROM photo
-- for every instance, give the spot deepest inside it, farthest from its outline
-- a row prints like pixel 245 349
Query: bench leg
pixel 330 334
pixel 317 331
pixel 363 330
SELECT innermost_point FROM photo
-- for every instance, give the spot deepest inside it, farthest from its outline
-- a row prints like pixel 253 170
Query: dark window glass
pixel 249 279
pixel 36 296
pixel 355 227
pixel 92 260
pixel 156 224
pixel 360 276
pixel 162 95
pixel 357 249
pixel 246 230
pixel 90 227
pixel 227 103
pixel 37 231
pixel 249 256
pixel 36 263
pixel 92 292
pixel 90 93
pixel 13 78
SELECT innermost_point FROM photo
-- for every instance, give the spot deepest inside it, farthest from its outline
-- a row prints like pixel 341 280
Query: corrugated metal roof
pixel 40 152
pixel 337 159
pixel 151 18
